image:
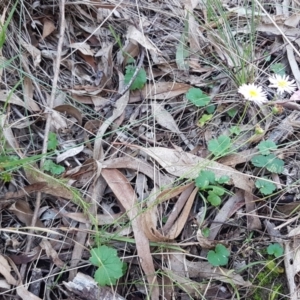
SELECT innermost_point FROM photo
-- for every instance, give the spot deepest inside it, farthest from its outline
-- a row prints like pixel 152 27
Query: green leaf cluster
pixel 140 79
pixel 197 97
pixel 275 249
pixel 219 256
pixel 220 146
pixel 206 181
pixel 52 141
pixel 266 159
pixel 53 168
pixel 204 119
pixel 110 267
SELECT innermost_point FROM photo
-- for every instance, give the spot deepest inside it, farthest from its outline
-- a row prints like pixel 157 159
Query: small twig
pixel 48 123
pixel 127 87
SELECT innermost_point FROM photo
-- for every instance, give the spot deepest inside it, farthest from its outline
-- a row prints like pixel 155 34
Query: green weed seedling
pixel 219 256
pixel 220 146
pixel 235 130
pixel 275 249
pixel 53 168
pixel 140 79
pixel 110 267
pixel 204 119
pixel 52 141
pixel 266 159
pixel 197 97
pixel 206 181
pixel 49 165
pixel 265 186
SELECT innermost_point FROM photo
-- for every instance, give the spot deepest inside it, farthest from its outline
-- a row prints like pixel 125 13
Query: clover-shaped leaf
pixel 220 146
pixel 223 179
pixel 110 266
pixel 265 147
pixel 213 198
pixel 266 187
pixel 140 79
pixel 197 97
pixel 52 141
pixel 219 257
pixel 53 168
pixel 204 179
pixel 270 162
pixel 204 119
pixel 275 249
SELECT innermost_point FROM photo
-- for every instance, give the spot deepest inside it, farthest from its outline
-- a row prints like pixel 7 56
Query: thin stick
pixel 48 123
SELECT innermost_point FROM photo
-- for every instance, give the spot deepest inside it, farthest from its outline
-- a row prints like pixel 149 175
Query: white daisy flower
pixel 253 93
pixel 282 83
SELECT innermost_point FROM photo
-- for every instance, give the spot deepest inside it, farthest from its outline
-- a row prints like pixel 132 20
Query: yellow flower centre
pixel 282 83
pixel 253 93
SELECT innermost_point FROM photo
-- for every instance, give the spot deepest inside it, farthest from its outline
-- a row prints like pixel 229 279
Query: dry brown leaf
pixel 9 135
pixel 125 194
pixel 12 98
pixel 71 111
pixel 180 266
pixel 54 187
pixel 5 270
pixel 69 153
pixel 237 158
pixel 24 213
pixel 149 217
pixel 33 51
pixel 186 165
pixel 84 48
pixel 24 294
pixel 51 253
pixel 139 37
pixel 190 287
pixel 160 91
pixel 140 166
pixel 227 210
pixel 58 123
pixel 48 27
pixel 165 119
pixel 24 191
pixel 253 221
pixel 28 95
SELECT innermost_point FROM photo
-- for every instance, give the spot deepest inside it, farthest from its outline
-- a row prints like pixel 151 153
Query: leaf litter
pixel 114 165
